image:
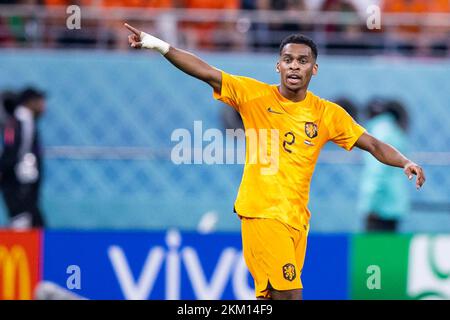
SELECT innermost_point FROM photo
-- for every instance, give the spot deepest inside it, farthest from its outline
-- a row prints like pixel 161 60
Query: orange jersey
pixel 290 135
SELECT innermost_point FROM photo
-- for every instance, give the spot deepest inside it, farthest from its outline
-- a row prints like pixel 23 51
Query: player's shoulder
pixel 248 88
pixel 330 112
pixel 320 104
pixel 248 80
pixel 326 106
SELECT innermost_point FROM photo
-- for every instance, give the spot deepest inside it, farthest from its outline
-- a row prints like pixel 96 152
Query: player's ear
pixel 277 68
pixel 315 69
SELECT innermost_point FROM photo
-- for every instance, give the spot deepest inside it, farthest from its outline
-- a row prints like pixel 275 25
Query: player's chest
pixel 299 134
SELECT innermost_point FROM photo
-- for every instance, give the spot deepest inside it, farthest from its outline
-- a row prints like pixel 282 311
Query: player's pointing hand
pixel 139 39
pixel 134 39
pixel 411 169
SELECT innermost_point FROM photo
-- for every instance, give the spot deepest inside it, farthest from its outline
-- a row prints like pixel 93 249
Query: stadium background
pixel 118 208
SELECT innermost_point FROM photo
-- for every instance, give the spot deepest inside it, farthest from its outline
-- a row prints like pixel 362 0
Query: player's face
pixel 296 66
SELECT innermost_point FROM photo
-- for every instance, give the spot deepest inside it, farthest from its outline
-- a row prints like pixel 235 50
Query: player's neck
pixel 294 96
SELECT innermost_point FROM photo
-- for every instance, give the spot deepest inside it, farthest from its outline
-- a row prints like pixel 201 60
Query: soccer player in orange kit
pixel 272 205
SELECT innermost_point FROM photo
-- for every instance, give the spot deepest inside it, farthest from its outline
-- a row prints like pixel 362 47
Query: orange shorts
pixel 274 253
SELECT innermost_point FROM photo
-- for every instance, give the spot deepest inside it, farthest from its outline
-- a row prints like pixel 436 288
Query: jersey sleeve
pixel 236 90
pixel 343 129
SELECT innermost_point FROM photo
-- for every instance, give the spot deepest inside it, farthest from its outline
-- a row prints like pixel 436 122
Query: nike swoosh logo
pixel 273 111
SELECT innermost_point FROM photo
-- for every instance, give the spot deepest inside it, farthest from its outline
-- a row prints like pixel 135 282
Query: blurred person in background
pixel 384 197
pixel 20 161
pixel 8 103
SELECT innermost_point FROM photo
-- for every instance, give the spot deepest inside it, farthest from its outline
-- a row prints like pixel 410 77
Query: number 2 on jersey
pixel 288 141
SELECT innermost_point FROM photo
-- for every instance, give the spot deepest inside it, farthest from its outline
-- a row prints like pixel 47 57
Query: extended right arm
pixel 183 60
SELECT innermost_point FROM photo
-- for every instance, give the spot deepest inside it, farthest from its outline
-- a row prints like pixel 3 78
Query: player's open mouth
pixel 293 79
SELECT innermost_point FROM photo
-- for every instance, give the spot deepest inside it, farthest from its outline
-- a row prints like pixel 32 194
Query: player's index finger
pixel 132 29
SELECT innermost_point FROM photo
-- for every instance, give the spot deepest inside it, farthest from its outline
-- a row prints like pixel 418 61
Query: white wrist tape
pixel 150 42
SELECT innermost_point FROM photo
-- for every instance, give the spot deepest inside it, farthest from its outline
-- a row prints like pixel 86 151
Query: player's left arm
pixel 387 154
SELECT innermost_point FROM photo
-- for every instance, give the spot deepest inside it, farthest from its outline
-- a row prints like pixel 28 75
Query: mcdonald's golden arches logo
pixel 15 279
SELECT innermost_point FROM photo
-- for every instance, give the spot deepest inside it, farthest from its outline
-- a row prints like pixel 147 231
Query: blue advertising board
pixel 174 265
pixel 326 271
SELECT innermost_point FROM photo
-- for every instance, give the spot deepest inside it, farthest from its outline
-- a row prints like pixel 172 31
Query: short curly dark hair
pixel 301 39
